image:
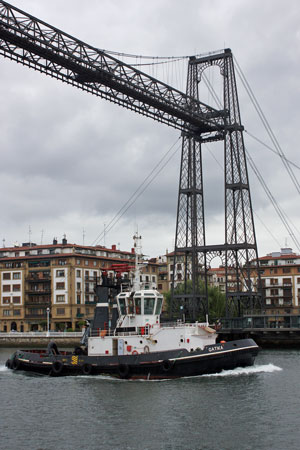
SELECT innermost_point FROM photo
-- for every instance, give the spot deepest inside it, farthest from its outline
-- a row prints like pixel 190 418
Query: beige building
pixel 55 283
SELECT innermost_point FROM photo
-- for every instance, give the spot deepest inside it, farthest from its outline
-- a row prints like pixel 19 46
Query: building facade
pixel 280 277
pixel 53 285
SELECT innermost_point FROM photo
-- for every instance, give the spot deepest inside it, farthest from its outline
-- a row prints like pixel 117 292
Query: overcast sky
pixel 70 161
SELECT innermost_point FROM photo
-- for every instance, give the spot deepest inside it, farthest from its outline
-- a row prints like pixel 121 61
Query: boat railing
pixel 180 324
pixel 145 330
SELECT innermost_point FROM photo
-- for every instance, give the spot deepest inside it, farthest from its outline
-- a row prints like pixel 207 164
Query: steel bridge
pixel 38 45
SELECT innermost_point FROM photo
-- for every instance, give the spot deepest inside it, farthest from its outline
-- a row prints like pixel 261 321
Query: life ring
pixel 146 349
pixel 57 367
pixel 15 365
pixel 135 352
pixel 167 365
pixel 87 369
pixel 123 370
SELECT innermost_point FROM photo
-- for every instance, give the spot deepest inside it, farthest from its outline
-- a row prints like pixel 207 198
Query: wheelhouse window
pixel 158 306
pixel 122 306
pixel 149 305
pixel 138 305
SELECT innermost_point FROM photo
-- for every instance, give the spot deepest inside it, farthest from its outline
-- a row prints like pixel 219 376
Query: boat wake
pixel 266 368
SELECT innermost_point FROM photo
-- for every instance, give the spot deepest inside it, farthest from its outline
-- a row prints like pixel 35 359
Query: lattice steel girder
pixel 240 249
pixel 34 43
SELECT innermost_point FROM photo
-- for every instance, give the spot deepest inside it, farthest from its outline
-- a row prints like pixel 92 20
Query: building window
pixel 16 287
pixel 60 299
pixel 6 276
pixel 86 262
pixel 16 275
pixel 78 286
pixel 87 310
pixel 6 288
pixel 60 285
pixel 286 269
pixel 78 262
pixel 62 262
pixel 160 286
pixel 60 311
pixel 298 280
pixel 6 300
pixel 153 279
pixel 6 312
pixel 78 299
pixel 95 263
pixel 16 300
pixel 60 273
pixel 78 273
pixel 17 312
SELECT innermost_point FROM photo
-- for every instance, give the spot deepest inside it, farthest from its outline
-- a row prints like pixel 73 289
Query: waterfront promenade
pixel 39 339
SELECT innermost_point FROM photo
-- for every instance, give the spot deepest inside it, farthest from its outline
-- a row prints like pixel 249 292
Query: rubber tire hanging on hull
pixel 167 365
pixel 86 369
pixel 15 364
pixel 124 371
pixel 8 364
pixel 57 368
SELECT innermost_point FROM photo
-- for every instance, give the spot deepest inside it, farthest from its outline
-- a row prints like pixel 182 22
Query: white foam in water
pixel 267 368
pixel 3 368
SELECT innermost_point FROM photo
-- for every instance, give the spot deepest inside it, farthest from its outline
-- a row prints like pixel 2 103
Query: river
pixel 250 408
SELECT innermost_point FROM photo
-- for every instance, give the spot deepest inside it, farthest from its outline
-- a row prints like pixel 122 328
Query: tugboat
pixel 127 340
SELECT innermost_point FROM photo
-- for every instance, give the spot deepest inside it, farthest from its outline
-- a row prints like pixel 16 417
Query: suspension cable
pixel 267 125
pixel 138 192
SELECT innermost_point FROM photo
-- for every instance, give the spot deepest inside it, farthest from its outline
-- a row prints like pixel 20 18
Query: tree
pixel 216 301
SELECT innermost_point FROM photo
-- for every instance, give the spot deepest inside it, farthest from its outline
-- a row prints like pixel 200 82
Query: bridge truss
pixel 38 45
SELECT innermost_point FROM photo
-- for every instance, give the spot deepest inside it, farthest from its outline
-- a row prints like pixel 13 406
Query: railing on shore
pixel 41 334
pixel 262 321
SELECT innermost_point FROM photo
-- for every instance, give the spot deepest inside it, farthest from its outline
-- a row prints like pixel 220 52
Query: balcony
pixel 36 315
pixel 38 291
pixel 36 278
pixel 79 315
pixel 38 301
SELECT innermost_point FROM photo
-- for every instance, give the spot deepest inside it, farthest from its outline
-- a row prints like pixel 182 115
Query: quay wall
pixel 23 340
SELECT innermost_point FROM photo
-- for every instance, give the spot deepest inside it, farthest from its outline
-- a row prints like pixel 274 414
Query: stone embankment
pixel 39 340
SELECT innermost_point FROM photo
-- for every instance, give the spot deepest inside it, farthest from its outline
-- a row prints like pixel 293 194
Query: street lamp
pixel 48 321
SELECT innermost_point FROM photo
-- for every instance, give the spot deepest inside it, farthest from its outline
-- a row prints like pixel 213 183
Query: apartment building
pixel 280 276
pixel 55 283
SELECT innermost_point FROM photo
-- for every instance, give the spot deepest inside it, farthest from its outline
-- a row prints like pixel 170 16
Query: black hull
pixel 156 365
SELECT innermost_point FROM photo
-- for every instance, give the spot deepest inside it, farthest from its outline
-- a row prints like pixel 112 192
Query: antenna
pixel 42 235
pixel 3 242
pixel 29 234
pixel 104 234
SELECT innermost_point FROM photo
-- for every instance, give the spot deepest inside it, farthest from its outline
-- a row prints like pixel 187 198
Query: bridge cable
pixel 267 125
pixel 138 192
